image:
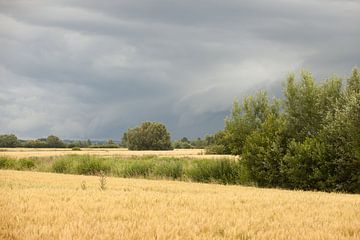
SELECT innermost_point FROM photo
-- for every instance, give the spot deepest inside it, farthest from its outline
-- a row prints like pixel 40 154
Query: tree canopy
pixel 148 136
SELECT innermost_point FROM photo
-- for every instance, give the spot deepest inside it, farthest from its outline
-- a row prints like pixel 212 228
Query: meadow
pixel 57 206
pixel 219 170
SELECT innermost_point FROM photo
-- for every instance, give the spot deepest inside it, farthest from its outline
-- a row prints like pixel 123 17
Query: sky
pixel 92 69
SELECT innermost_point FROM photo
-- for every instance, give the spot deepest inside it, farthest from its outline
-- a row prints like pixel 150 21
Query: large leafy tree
pixel 148 136
pixel 246 118
pixel 8 140
pixel 54 142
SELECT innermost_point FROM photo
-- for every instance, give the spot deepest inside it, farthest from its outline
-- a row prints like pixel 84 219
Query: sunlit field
pixel 47 152
pixel 57 206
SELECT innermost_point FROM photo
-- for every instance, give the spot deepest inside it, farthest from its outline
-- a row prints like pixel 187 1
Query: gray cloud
pixel 91 69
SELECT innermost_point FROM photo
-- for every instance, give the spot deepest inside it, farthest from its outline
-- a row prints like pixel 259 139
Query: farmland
pixel 48 152
pixel 57 206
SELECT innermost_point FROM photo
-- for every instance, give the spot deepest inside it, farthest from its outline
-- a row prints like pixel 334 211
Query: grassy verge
pixel 224 171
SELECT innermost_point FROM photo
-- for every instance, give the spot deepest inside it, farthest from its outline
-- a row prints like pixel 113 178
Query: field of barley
pixel 57 206
pixel 111 152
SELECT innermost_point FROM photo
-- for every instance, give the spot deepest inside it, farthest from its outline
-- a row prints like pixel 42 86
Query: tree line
pixel 309 139
pixel 52 141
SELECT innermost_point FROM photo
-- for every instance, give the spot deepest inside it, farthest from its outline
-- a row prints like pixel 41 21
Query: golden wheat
pixel 55 206
pixel 48 152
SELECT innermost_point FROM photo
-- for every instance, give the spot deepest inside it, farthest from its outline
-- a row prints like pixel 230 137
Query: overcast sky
pixel 91 69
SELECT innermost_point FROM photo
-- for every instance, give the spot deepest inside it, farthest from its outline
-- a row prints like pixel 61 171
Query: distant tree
pixel 36 144
pixel 148 136
pixel 185 139
pixel 54 142
pixel 124 140
pixel 218 143
pixel 110 141
pixel 198 143
pixel 8 140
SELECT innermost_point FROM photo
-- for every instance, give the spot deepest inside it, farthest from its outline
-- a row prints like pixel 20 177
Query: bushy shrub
pixel 62 165
pixel 303 165
pixel 216 149
pixel 89 165
pixel 141 168
pixel 210 170
pixel 263 152
pixel 6 163
pixel 169 169
pixel 25 164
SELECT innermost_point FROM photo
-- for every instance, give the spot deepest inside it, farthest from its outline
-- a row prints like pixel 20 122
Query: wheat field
pixel 55 206
pixel 48 152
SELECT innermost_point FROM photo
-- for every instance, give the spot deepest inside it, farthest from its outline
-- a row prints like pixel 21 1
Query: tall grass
pixel 224 171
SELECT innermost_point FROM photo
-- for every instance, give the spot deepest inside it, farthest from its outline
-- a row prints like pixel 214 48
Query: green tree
pixel 303 164
pixel 353 83
pixel 149 136
pixel 54 142
pixel 301 107
pixel 246 118
pixel 8 140
pixel 263 152
pixel 341 136
pixel 124 140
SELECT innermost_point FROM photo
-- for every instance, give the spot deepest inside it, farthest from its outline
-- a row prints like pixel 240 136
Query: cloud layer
pixel 92 69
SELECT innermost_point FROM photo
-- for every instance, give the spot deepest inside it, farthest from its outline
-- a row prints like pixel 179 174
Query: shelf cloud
pixel 91 69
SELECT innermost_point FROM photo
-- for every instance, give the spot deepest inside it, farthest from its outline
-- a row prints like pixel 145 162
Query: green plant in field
pixel 6 163
pixel 62 165
pixel 25 164
pixel 222 171
pixel 169 168
pixel 138 168
pixel 89 165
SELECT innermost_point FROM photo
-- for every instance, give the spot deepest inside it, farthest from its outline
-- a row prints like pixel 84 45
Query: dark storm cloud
pixel 91 69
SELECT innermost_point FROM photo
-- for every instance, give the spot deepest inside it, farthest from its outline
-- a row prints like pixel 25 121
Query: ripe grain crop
pixel 48 152
pixel 57 206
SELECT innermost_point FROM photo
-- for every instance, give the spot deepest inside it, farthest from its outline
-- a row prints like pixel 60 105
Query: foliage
pixel 148 136
pixel 89 165
pixel 6 163
pixel 63 165
pixel 223 171
pixel 49 142
pixel 218 143
pixel 309 140
pixel 54 142
pixel 8 140
pixel 246 118
pixel 263 152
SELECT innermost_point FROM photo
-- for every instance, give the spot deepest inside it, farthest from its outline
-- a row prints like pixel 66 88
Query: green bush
pixel 76 149
pixel 303 163
pixel 215 149
pixel 169 168
pixel 6 163
pixel 62 165
pixel 263 152
pixel 26 164
pixel 223 171
pixel 88 165
pixel 138 168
